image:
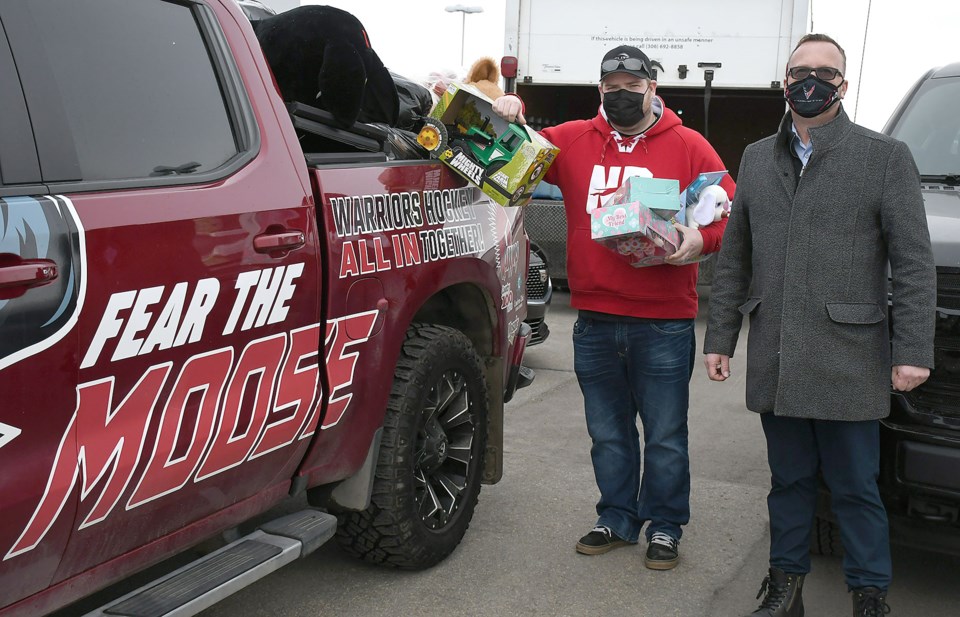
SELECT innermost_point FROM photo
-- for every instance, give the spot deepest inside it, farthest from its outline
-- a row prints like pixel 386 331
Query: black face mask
pixel 812 96
pixel 624 108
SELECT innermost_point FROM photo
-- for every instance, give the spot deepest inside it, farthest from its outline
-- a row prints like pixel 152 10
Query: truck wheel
pixel 495 166
pixel 431 455
pixel 825 539
pixel 433 136
pixel 517 197
pixel 491 171
pixel 536 171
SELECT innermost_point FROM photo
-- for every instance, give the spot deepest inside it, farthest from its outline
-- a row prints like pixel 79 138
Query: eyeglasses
pixel 824 72
pixel 631 64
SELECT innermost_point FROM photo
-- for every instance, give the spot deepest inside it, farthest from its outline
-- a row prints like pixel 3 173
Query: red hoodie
pixel 590 166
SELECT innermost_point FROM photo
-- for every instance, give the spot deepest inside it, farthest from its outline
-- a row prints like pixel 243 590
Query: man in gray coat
pixel 821 207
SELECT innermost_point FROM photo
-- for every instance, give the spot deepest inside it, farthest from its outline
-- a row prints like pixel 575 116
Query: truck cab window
pixel 136 98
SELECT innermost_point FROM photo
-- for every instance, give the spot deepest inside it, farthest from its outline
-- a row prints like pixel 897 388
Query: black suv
pixel 920 440
pixel 920 474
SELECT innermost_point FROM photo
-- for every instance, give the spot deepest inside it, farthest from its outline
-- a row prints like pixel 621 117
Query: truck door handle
pixel 283 241
pixel 16 278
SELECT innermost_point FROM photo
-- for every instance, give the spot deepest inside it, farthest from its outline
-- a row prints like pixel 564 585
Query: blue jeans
pixel 848 456
pixel 626 369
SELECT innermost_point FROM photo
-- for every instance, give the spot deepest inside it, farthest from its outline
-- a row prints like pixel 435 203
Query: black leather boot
pixel 870 602
pixel 783 595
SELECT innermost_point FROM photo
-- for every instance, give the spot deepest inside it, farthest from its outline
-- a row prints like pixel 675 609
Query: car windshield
pixel 930 126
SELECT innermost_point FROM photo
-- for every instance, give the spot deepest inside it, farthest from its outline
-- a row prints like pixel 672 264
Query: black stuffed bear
pixel 321 56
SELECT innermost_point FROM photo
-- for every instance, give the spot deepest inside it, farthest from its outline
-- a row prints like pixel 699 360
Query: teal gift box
pixel 659 195
pixel 636 222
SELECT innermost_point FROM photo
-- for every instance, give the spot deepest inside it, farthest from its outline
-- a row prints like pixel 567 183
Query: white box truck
pixel 721 68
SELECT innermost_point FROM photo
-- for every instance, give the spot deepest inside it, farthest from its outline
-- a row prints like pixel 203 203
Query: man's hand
pixel 718 366
pixel 690 248
pixel 906 378
pixel 510 108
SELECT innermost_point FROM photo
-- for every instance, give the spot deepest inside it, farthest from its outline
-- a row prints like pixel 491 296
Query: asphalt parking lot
pixel 518 558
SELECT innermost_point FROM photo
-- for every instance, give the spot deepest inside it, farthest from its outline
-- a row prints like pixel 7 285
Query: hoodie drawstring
pixel 623 145
pixel 603 148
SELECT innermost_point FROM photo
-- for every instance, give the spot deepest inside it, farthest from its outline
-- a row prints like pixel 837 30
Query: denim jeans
pixel 626 369
pixel 848 456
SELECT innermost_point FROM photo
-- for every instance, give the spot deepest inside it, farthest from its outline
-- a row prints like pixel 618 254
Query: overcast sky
pixel 904 39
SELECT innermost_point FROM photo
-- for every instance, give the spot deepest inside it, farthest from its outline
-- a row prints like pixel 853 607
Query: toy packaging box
pixel 506 160
pixel 691 194
pixel 637 221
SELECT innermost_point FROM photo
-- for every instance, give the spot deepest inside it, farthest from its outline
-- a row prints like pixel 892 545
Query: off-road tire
pixel 440 376
pixel 443 139
pixel 825 539
pixel 518 196
pixel 495 166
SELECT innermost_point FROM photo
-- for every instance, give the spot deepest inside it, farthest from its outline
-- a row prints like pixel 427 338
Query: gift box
pixel 506 160
pixel 637 222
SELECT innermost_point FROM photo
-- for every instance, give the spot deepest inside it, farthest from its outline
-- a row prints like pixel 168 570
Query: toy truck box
pixel 506 160
pixel 199 321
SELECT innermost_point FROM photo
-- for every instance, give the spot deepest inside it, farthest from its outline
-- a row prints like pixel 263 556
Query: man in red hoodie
pixel 633 341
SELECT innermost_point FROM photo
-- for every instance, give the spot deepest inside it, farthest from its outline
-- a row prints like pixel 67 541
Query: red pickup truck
pixel 199 320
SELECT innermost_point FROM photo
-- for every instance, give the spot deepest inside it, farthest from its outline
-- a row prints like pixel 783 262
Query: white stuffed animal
pixel 712 206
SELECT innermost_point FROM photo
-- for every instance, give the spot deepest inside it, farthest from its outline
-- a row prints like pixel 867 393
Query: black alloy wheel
pixel 444 450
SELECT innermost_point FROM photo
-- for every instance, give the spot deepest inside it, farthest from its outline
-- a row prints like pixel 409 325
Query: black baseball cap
pixel 626 59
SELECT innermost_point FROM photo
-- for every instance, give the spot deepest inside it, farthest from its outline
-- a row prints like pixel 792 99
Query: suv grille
pixel 936 397
pixel 948 288
pixel 940 395
pixel 536 280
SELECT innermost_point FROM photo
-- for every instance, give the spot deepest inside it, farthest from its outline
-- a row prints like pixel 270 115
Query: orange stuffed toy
pixel 485 76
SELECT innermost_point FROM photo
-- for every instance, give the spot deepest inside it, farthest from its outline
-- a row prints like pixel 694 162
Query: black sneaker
pixel 663 552
pixel 599 541
pixel 870 602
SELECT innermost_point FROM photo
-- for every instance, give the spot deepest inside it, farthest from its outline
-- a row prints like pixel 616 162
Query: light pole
pixel 459 8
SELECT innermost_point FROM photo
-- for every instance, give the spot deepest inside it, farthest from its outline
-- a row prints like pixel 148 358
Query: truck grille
pixel 537 281
pixel 940 395
pixel 540 331
pixel 936 397
pixel 948 288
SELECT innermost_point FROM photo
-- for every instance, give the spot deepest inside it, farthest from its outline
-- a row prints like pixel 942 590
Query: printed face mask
pixel 811 97
pixel 624 108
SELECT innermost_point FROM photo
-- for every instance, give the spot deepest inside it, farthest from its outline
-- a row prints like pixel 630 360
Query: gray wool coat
pixel 807 262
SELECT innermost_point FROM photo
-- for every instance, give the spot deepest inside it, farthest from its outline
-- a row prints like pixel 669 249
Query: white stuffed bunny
pixel 712 206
